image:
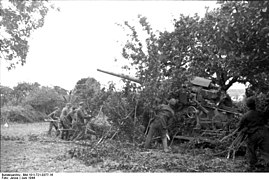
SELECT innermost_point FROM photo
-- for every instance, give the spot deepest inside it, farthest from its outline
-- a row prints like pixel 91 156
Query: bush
pixel 241 106
pixel 20 114
pixel 124 115
pixel 260 103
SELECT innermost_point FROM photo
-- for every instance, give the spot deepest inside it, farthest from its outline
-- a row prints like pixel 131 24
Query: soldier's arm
pixel 242 123
pixel 170 121
pixel 80 115
pixel 52 115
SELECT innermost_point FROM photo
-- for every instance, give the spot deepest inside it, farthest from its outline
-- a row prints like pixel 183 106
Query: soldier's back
pixel 166 110
pixel 253 120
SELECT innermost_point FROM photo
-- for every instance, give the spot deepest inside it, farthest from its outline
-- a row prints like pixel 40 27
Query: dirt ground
pixel 27 148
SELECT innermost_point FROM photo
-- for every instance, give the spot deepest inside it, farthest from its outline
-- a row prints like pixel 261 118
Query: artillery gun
pixel 121 76
pixel 205 111
pixel 202 109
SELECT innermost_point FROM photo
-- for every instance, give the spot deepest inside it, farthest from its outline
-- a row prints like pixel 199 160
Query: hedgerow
pixel 21 114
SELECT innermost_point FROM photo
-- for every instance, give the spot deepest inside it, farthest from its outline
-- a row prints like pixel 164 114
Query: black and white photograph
pixel 147 88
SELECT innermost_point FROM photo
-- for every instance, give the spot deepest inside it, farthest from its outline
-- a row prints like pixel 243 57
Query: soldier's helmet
pixel 251 102
pixel 172 102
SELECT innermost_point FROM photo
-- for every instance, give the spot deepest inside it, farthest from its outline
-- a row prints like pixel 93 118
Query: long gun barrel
pixel 121 76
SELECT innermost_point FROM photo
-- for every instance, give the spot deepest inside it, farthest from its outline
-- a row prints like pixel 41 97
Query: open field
pixel 24 130
pixel 27 148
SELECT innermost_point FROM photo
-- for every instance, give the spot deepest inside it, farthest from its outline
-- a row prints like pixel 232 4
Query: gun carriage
pixel 205 111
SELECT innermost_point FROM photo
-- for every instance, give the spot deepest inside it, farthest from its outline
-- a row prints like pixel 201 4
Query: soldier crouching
pixel 159 125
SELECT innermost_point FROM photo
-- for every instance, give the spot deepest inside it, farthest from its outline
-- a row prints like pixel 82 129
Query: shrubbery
pixel 123 112
pixel 20 114
pixel 260 103
pixel 29 102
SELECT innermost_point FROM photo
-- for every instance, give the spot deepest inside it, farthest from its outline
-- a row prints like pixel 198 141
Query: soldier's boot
pixel 58 132
pixel 149 137
pixel 49 131
pixel 165 146
pixel 147 143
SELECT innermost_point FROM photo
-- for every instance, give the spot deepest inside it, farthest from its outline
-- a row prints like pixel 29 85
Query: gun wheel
pixel 191 112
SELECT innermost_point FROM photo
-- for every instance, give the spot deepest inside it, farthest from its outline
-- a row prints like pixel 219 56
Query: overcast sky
pixel 83 36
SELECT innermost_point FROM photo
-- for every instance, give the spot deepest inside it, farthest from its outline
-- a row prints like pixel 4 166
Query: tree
pixel 17 22
pixel 44 99
pixel 212 58
pixel 178 50
pixel 61 91
pixel 144 55
pixel 22 90
pixel 249 24
pixel 259 83
pixel 228 45
pixel 241 40
pixel 5 95
pixel 85 90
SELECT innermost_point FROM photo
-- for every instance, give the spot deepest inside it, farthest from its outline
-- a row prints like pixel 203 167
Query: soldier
pixel 161 123
pixel 64 113
pixel 65 110
pixel 70 116
pixel 79 124
pixel 68 120
pixel 252 125
pixel 54 124
pixel 225 101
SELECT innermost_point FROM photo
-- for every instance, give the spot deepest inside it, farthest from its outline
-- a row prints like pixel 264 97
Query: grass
pixel 27 148
pixel 23 130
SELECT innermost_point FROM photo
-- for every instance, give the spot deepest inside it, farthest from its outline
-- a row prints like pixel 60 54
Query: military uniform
pixel 67 122
pixel 253 126
pixel 64 113
pixel 69 118
pixel 53 116
pixel 160 125
pixel 79 125
pixel 62 124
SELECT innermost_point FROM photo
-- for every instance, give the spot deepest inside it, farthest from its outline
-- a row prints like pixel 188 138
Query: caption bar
pixel 24 175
